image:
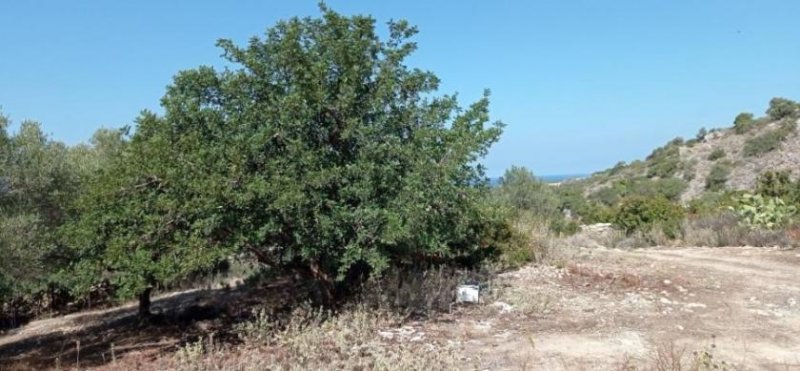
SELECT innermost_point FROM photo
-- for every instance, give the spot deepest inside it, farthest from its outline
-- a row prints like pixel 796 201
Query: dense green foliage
pixel 758 211
pixel 39 182
pixel 775 184
pixel 319 150
pixel 780 108
pixel 778 184
pixel 643 213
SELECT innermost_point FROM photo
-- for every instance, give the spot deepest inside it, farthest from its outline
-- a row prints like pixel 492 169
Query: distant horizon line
pixel 550 178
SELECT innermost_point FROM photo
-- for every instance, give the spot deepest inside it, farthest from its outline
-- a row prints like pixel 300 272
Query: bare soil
pixel 603 310
pixel 610 307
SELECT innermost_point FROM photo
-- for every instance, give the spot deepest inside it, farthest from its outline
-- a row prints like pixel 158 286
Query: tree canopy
pixel 318 150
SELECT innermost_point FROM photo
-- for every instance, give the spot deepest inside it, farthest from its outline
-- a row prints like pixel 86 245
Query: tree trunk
pixel 144 303
pixel 326 285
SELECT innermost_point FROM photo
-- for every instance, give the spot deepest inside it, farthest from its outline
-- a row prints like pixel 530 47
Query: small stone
pixel 503 307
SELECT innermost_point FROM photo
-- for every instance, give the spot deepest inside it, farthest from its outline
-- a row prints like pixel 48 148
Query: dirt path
pixel 644 306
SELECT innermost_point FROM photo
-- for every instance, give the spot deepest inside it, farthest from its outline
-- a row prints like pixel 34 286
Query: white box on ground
pixel 467 294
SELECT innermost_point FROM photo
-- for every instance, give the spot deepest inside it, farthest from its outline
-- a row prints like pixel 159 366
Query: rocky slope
pixel 722 159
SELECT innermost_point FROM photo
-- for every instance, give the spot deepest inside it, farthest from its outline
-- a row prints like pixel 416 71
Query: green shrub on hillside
pixel 588 210
pixel 664 168
pixel 669 188
pixel 780 108
pixel 743 122
pixel 701 134
pixel 644 213
pixel 665 161
pixel 779 184
pixel 610 195
pixel 766 142
pixel 618 167
pixel 716 154
pixel 709 203
pixel 774 184
pixel 718 176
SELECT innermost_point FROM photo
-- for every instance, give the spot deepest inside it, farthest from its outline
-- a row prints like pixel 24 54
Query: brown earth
pixel 606 309
pixel 742 304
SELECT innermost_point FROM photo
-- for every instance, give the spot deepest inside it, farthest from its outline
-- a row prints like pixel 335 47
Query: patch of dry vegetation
pixel 356 339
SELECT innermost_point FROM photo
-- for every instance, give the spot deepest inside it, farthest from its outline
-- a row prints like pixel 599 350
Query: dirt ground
pixel 601 309
pixel 646 307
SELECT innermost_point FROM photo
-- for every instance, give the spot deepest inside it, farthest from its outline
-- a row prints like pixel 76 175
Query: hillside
pixel 717 160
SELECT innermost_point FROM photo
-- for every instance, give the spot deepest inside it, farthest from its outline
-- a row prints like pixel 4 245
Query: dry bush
pixel 652 237
pixel 356 339
pixel 529 301
pixel 669 357
pixel 724 229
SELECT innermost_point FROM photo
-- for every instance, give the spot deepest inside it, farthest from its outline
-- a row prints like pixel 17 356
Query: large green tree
pixel 39 180
pixel 318 150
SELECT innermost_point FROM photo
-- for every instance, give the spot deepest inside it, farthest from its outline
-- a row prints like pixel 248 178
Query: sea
pixel 547 178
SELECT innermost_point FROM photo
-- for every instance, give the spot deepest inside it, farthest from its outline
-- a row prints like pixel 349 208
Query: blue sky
pixel 580 84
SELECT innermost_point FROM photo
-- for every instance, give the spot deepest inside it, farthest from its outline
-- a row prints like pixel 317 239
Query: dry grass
pixel 724 230
pixel 670 357
pixel 356 339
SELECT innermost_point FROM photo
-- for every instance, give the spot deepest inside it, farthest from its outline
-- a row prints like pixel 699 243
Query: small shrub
pixel 701 134
pixel 718 177
pixel 564 227
pixel 775 184
pixel 664 168
pixel 669 188
pixel 642 214
pixel 716 154
pixel 743 122
pixel 780 108
pixel 766 142
pixel 524 246
pixel 608 196
pixel 719 229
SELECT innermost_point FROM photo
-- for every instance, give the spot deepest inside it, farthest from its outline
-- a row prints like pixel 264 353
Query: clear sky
pixel 580 84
